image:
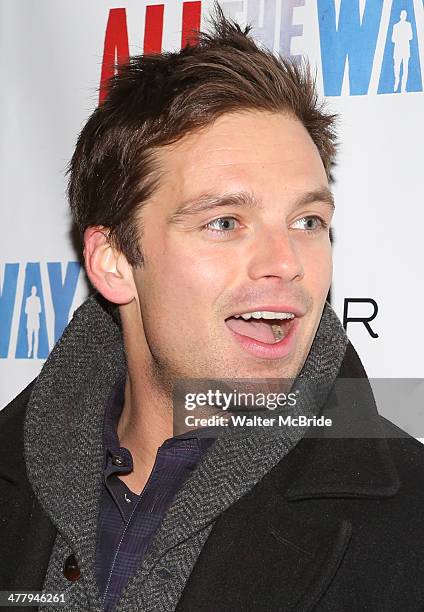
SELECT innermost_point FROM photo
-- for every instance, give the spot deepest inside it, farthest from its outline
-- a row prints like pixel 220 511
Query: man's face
pixel 263 248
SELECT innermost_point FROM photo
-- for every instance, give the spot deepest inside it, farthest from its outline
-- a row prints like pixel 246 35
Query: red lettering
pixel 116 48
pixel 191 23
pixel 153 28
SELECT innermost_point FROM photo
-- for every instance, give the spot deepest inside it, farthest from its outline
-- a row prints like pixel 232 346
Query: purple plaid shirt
pixel 127 522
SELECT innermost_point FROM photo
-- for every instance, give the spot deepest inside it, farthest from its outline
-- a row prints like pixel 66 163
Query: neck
pixel 146 420
pixel 145 423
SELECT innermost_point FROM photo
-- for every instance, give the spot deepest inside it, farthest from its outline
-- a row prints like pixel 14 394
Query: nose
pixel 274 254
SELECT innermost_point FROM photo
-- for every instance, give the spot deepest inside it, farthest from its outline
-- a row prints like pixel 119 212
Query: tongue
pixel 258 330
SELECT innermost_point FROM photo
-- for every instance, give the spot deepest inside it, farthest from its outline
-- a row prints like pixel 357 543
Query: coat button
pixel 118 460
pixel 71 569
pixel 163 573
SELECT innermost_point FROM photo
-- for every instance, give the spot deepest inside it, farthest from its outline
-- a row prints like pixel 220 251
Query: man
pixel 201 187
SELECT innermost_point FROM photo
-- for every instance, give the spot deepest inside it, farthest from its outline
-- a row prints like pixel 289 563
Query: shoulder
pixel 12 419
pixel 26 532
pixel 13 415
pixel 408 457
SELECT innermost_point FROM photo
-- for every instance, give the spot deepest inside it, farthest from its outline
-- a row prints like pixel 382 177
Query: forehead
pixel 243 150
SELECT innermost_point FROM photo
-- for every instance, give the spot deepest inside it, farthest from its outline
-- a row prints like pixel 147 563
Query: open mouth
pixel 266 327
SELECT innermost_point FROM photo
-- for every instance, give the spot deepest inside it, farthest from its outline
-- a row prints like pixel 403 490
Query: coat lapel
pixel 263 554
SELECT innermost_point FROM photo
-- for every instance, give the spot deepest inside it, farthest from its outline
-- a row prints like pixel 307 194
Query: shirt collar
pixel 117 458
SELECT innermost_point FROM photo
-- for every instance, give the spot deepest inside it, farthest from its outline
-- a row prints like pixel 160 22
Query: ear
pixel 107 268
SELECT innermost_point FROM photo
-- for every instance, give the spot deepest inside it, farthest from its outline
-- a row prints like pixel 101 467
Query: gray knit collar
pixel 63 435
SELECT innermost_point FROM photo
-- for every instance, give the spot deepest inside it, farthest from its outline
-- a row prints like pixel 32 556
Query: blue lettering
pixel 352 39
pixel 62 293
pixel 7 304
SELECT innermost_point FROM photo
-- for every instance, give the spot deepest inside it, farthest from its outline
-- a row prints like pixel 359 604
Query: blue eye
pixel 311 223
pixel 224 224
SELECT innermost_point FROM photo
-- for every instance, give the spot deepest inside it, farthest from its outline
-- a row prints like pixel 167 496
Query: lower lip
pixel 268 351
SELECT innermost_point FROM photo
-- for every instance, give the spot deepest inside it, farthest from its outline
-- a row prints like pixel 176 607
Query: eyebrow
pixel 244 199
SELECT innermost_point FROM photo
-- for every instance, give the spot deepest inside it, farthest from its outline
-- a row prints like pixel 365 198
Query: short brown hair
pixel 155 100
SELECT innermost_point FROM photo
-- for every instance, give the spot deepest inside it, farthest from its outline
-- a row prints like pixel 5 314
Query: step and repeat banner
pixel 368 56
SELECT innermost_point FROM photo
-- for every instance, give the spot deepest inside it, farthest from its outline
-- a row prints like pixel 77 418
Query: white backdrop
pixel 51 54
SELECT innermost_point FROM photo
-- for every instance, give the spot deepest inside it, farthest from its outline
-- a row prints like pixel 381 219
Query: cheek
pixel 183 277
pixel 318 268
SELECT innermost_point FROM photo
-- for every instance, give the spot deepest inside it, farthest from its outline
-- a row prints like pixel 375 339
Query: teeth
pixel 265 314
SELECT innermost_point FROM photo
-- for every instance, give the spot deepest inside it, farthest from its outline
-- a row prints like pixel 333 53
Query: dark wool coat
pixel 337 525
